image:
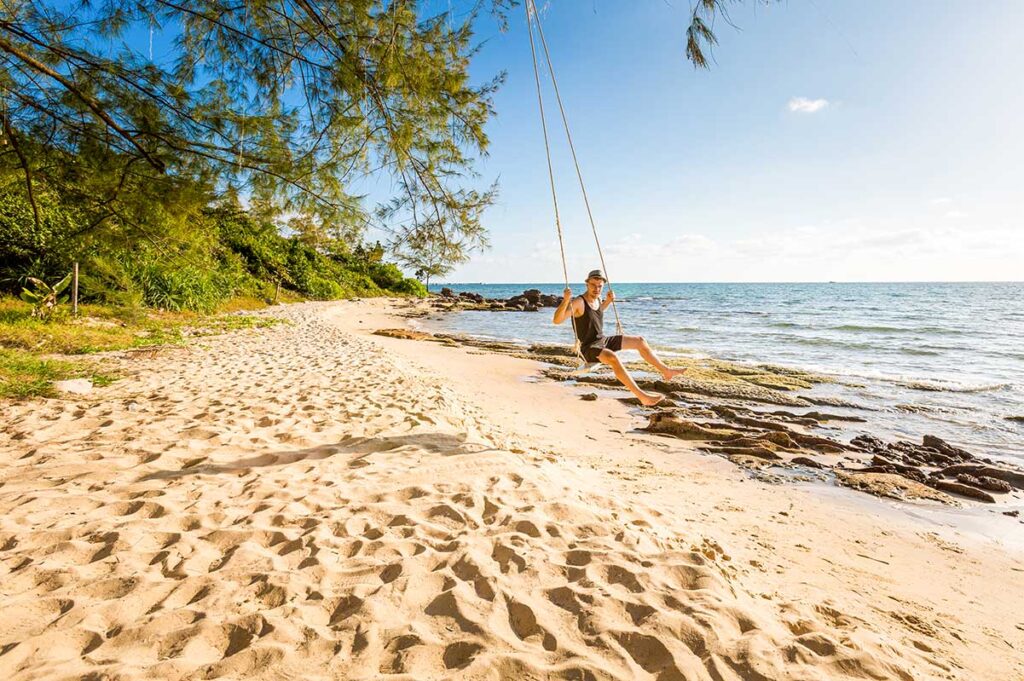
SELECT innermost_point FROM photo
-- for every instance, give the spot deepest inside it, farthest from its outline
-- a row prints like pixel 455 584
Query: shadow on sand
pixel 359 448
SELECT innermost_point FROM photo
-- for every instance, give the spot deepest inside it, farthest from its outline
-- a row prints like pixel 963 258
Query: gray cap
pixel 597 274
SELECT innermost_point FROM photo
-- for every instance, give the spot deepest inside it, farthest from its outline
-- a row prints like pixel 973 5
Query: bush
pixel 386 275
pixel 411 287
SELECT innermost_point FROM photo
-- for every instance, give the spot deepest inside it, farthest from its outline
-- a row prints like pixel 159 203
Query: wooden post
pixel 74 291
pixel 277 291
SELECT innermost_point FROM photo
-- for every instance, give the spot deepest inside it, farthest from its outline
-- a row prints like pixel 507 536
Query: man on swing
pixel 588 323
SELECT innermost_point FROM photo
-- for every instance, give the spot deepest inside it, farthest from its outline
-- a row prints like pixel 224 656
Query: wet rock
pixel 1014 478
pixel 407 334
pixel 557 350
pixel 835 402
pixel 667 423
pixel 889 485
pixel 753 451
pixel 447 293
pixel 589 397
pixel 961 489
pixel 1018 419
pixel 806 461
pixel 532 295
pixel 947 449
pixel 984 482
pixel 821 416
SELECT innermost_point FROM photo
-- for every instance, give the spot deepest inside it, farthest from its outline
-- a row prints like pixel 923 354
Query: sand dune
pixel 299 502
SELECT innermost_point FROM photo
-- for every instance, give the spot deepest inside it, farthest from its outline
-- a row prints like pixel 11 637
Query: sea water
pixel 918 358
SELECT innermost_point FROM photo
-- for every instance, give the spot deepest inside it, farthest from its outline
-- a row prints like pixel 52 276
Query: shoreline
pixel 878 467
pixel 430 510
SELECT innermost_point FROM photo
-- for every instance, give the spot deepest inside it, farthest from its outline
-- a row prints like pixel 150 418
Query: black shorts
pixel 590 352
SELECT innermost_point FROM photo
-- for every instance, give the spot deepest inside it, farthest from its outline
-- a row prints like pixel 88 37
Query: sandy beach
pixel 312 501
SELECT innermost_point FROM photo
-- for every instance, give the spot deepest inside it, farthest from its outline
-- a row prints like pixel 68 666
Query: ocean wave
pixel 951 386
pixel 821 342
pixel 878 328
pixel 920 352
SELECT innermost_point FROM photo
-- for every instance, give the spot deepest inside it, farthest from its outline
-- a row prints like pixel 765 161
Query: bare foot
pixel 672 373
pixel 650 399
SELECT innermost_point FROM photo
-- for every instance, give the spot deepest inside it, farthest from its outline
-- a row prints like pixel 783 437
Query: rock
pixel 556 350
pixel 1012 514
pixel 994 485
pixel 1015 478
pixel 1018 419
pixel 889 485
pixel 984 482
pixel 589 397
pixel 947 449
pixel 754 451
pixel 407 334
pixel 447 293
pixel 530 308
pixel 806 461
pixel 555 301
pixel 906 471
pixel 962 490
pixel 532 295
pixel 670 424
pixel 820 416
pixel 75 386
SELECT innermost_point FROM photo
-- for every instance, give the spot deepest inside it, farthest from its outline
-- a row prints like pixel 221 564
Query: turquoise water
pixel 943 358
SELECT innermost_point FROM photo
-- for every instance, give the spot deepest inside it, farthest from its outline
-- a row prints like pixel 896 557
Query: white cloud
pixel 941 201
pixel 956 214
pixel 804 105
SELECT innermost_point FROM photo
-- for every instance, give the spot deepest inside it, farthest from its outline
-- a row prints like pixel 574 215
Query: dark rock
pixel 984 482
pixel 806 461
pixel 670 424
pixel 868 442
pixel 947 449
pixel 961 489
pixel 588 397
pixel 550 301
pixel 532 295
pixel 530 308
pixel 756 452
pixel 447 293
pixel 1015 478
pixel 556 350
pixel 1012 514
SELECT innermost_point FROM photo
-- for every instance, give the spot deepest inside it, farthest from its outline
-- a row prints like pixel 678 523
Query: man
pixel 588 322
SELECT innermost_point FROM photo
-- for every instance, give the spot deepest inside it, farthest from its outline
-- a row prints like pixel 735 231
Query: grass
pixel 27 368
pixel 24 375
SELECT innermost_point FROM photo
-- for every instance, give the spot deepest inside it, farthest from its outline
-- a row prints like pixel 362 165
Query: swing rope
pixel 575 160
pixel 531 16
pixel 551 173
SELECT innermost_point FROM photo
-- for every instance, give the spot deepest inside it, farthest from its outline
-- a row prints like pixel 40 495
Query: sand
pixel 309 501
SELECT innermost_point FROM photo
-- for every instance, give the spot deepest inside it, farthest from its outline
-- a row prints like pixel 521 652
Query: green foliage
pixel 44 298
pixel 24 375
pixel 290 103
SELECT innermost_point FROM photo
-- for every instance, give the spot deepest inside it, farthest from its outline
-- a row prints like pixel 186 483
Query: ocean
pixel 945 359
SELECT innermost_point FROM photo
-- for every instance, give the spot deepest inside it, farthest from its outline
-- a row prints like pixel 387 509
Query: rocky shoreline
pixel 530 300
pixel 759 418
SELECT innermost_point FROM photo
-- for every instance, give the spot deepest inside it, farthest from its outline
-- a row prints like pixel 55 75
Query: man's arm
pixel 566 307
pixel 608 298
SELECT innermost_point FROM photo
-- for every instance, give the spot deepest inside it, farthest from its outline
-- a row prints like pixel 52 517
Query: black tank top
pixel 590 325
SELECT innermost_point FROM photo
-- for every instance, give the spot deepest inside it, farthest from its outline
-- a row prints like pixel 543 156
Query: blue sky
pixel 831 140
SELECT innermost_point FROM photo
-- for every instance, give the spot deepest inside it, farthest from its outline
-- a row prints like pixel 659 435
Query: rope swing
pixel 533 16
